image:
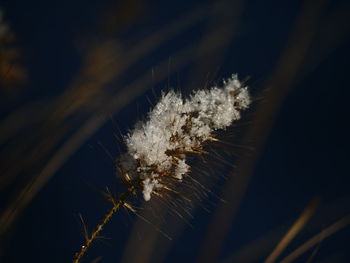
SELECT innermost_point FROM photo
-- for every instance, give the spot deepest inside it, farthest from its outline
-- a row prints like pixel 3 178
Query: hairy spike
pixel 155 161
pixel 157 149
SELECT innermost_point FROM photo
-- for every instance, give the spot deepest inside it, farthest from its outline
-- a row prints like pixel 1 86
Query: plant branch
pixel 116 205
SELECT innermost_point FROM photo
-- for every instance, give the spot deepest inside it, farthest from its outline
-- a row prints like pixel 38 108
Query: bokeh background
pixel 75 75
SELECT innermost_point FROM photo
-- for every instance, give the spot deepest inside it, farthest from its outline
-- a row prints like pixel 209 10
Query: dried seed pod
pixel 175 128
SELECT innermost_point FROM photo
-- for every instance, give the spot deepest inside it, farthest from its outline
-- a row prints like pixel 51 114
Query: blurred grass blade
pixel 293 231
pixel 343 222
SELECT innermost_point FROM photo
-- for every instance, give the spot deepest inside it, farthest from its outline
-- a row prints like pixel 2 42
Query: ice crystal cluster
pixel 176 127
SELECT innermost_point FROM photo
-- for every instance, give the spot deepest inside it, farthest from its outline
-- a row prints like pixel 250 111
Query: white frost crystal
pixel 157 149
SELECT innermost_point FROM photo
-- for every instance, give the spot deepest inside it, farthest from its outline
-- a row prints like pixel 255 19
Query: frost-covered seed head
pixel 157 149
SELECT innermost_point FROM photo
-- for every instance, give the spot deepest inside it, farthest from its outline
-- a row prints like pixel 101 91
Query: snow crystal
pixel 175 127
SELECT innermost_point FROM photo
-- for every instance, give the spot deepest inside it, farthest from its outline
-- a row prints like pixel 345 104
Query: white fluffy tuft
pixel 175 127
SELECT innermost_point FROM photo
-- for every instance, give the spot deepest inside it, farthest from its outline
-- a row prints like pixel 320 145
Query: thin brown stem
pixel 341 223
pixel 116 205
pixel 293 231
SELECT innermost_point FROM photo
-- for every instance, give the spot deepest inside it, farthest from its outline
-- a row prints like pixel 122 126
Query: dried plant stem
pixel 293 231
pixel 341 223
pixel 116 205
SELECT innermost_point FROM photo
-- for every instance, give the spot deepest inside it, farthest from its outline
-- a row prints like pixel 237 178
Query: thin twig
pixel 116 204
